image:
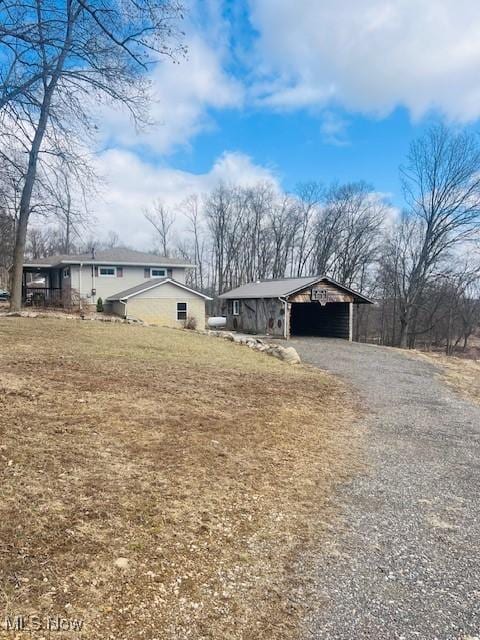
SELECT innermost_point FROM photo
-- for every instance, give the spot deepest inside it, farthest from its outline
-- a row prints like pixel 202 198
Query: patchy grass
pixel 209 468
pixel 460 373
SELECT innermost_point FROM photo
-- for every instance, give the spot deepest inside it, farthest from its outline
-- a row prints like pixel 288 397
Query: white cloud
pixel 181 96
pixel 132 185
pixel 370 56
pixel 334 129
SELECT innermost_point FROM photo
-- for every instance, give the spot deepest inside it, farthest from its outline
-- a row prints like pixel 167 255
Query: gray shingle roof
pixel 269 288
pixel 150 284
pixel 283 288
pixel 111 256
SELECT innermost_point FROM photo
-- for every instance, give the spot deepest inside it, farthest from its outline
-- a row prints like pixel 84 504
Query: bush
pixel 99 305
pixel 191 323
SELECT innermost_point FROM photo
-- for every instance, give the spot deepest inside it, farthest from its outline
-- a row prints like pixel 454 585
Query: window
pixel 236 307
pixel 181 310
pixel 66 272
pixel 158 273
pixel 107 272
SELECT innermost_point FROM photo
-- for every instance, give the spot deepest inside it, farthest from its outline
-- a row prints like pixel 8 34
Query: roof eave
pixel 43 265
pixel 154 286
pixel 359 298
pixel 122 263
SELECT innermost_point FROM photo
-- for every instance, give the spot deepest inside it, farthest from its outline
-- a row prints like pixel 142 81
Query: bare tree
pixel 162 221
pixel 58 58
pixel 112 240
pixel 69 205
pixel 347 233
pixel 282 228
pixel 308 198
pixel 441 182
pixel 191 209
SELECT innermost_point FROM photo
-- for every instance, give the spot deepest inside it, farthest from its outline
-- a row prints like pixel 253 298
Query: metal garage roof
pixel 285 287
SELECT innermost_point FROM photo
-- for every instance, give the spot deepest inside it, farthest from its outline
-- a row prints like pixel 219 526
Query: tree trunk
pixel 30 177
pixel 26 198
pixel 403 338
pixel 17 269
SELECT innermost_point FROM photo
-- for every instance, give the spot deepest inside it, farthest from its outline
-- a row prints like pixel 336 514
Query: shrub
pixel 99 305
pixel 191 323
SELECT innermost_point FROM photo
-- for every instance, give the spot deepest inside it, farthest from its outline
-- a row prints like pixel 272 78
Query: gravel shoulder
pixel 405 562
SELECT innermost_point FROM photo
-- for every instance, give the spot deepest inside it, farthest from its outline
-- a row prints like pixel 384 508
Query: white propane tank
pixel 216 322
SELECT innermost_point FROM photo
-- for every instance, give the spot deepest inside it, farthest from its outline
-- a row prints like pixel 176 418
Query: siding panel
pixel 163 311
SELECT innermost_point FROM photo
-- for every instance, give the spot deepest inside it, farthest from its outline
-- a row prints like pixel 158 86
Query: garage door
pixel 311 319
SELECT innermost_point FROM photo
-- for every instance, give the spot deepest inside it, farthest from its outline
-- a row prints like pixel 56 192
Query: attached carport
pixel 313 306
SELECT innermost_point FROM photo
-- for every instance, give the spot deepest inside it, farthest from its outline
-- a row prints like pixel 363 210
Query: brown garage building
pixel 315 306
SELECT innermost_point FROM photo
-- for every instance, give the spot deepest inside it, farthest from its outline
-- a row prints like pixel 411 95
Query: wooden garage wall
pixel 257 316
pixel 334 294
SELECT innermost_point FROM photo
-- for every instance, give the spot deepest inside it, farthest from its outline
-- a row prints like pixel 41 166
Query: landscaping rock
pixel 290 355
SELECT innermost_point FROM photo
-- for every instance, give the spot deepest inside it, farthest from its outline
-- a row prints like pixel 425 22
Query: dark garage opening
pixel 313 319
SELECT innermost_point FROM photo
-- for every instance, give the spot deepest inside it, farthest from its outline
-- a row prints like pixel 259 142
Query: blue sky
pixel 288 91
pixel 293 146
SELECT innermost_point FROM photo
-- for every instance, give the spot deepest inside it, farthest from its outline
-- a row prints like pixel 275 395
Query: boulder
pixel 275 351
pixel 290 355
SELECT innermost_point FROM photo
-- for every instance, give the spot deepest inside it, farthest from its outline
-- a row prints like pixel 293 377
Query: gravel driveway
pixel 407 562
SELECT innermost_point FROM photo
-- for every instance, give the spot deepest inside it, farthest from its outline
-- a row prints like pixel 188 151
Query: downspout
pixel 124 309
pixel 350 321
pixel 285 323
pixel 80 286
pixel 94 284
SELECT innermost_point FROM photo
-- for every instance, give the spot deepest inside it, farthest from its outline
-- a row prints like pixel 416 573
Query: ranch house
pixel 130 283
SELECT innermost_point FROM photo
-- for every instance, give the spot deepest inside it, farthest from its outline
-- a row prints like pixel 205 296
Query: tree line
pixel 421 264
pixel 61 62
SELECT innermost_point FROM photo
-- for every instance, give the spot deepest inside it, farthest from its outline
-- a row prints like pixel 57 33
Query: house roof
pixel 151 284
pixel 285 287
pixel 119 256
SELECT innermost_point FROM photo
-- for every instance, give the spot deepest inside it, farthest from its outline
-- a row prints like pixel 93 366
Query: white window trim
pixel 185 312
pixel 236 307
pixel 66 272
pixel 107 275
pixel 152 269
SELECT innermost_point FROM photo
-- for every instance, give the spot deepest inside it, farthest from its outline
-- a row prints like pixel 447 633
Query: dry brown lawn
pixel 207 467
pixel 460 373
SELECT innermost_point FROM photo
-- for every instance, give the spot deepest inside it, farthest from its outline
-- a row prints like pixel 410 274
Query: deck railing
pixel 45 297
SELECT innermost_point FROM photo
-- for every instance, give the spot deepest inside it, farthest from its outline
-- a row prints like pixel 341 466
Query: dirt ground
pixel 461 373
pixel 160 484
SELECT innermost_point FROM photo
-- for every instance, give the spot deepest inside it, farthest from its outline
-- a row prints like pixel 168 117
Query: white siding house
pixel 121 278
